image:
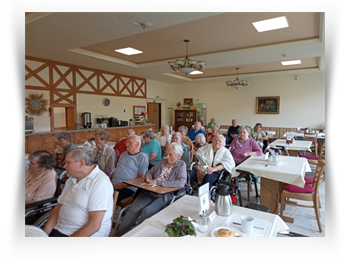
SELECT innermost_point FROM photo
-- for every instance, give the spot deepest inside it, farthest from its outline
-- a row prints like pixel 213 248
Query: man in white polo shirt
pixel 85 206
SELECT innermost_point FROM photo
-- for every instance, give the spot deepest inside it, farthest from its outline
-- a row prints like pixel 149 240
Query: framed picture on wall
pixel 268 105
pixel 188 101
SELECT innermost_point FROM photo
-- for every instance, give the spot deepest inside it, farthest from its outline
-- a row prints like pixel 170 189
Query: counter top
pixel 38 133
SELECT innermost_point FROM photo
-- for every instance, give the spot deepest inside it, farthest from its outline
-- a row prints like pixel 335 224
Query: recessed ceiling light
pixel 125 17
pixel 271 24
pixel 128 51
pixel 196 73
pixel 292 62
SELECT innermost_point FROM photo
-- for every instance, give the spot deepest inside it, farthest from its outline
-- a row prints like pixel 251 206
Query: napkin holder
pixel 275 157
pixel 289 138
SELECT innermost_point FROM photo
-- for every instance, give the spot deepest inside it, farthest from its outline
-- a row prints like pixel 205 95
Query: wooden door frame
pixel 52 124
pixel 160 112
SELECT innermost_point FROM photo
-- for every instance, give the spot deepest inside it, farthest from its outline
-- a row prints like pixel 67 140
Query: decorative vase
pixel 178 108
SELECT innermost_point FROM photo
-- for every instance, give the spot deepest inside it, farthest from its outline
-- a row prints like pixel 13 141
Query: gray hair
pixel 244 127
pixel 132 131
pixel 177 134
pixel 44 159
pixel 200 139
pixel 177 148
pixel 102 134
pixel 137 139
pixel 82 154
pixel 149 133
pixel 183 129
pixel 219 136
pixel 64 135
pixel 215 127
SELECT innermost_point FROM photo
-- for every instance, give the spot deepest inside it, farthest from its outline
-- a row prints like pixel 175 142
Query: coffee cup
pixel 247 224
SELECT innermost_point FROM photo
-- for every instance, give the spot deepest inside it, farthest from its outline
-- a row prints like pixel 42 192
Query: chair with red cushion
pixel 307 193
pixel 313 160
pixel 314 145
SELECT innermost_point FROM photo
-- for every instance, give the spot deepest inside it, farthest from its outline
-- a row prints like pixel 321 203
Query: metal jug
pixel 223 201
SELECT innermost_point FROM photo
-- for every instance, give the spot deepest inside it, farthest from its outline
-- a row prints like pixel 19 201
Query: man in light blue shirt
pixel 197 130
pixel 131 164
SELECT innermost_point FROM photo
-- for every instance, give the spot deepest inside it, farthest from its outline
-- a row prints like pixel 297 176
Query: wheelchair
pixel 38 212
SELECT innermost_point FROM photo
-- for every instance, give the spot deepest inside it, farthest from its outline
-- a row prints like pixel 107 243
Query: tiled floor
pixel 304 218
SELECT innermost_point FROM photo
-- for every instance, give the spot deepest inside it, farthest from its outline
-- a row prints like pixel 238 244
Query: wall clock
pixel 106 102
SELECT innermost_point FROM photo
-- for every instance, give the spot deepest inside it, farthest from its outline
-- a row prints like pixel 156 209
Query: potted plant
pixel 191 106
pixel 178 104
pixel 181 227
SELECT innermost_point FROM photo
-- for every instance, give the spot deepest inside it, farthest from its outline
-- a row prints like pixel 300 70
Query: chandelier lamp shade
pixel 186 65
pixel 237 83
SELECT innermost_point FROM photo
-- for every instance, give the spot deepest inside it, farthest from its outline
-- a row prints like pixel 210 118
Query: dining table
pixel 292 148
pixel 139 182
pixel 289 170
pixel 265 224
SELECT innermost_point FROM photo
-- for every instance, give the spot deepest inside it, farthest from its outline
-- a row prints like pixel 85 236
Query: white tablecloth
pixel 290 169
pixel 188 206
pixel 319 135
pixel 297 145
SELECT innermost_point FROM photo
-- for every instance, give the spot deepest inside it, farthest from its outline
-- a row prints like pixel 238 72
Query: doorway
pixel 63 118
pixel 154 112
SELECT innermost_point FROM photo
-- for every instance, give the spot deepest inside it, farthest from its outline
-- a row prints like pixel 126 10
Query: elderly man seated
pixel 213 159
pixel 120 147
pixel 64 140
pixel 132 164
pixel 85 206
pixel 197 130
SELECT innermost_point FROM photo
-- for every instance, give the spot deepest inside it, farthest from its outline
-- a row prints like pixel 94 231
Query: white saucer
pixel 213 232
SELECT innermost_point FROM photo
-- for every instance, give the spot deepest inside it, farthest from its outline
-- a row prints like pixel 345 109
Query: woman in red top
pixel 214 132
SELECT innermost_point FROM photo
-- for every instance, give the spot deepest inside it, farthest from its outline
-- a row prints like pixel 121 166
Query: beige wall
pixel 302 101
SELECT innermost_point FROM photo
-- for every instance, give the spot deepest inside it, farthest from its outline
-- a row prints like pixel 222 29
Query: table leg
pixel 270 194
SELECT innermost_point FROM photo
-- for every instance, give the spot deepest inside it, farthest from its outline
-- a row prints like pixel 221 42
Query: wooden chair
pixel 190 147
pixel 308 193
pixel 58 156
pixel 115 198
pixel 312 137
pixel 313 161
pixel 82 141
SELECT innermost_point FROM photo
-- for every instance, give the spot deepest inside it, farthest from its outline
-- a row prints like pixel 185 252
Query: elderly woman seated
pixel 214 132
pixel 40 177
pixel 198 143
pixel 64 140
pixel 259 135
pixel 163 137
pixel 168 172
pixel 213 159
pixel 177 138
pixel 244 146
pixel 103 155
pixel 183 131
pixel 151 148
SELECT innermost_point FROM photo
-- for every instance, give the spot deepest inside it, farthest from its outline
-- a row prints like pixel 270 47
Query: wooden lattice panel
pixel 65 81
pixel 37 74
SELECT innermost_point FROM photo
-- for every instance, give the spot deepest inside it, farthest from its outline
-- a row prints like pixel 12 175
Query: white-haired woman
pixel 213 158
pixel 168 172
pixel 177 138
pixel 198 143
pixel 183 131
pixel 214 132
pixel 164 137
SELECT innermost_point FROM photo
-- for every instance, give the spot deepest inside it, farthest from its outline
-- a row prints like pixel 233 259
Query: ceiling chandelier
pixel 187 65
pixel 237 83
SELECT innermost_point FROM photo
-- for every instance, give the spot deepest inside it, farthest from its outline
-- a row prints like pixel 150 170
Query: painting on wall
pixel 188 101
pixel 268 105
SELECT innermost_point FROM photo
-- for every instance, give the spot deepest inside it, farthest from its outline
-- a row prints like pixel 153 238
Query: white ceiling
pixel 224 40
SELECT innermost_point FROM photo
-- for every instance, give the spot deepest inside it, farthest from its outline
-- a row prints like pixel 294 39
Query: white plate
pixel 213 232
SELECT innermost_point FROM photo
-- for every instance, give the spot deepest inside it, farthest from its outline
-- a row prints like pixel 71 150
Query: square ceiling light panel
pixel 292 62
pixel 271 24
pixel 128 51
